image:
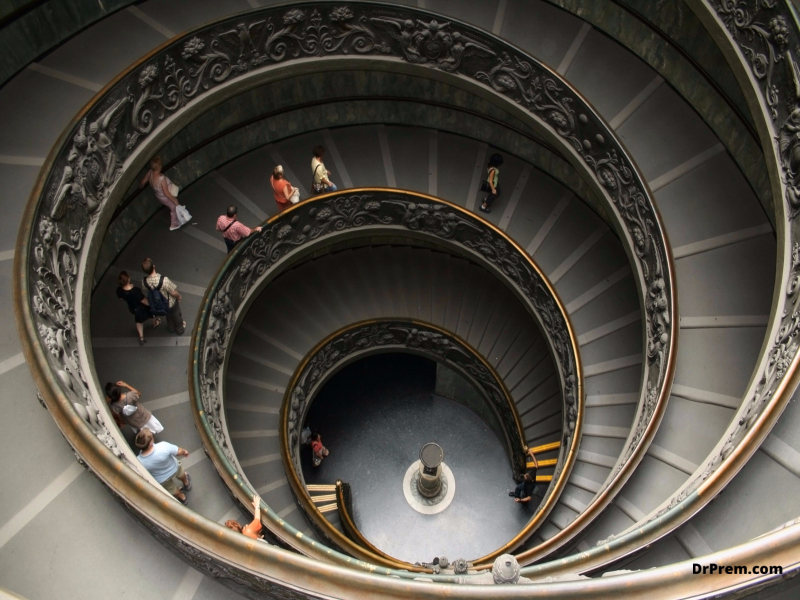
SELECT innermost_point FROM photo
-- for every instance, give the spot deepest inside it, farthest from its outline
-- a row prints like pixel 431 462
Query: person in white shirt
pixel 320 182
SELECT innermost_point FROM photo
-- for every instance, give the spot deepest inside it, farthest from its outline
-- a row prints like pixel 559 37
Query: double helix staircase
pixel 722 241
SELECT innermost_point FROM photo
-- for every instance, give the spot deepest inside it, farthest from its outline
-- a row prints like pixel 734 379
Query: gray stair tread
pixel 602 260
pixel 728 203
pixel 456 160
pixel 529 355
pixel 478 281
pixel 542 195
pixel 623 342
pixel 128 36
pixel 574 225
pixel 180 15
pixel 541 29
pixel 680 132
pixel 607 74
pixel 738 269
pixel 457 277
pixel 409 150
pixel 38 109
pixel 361 152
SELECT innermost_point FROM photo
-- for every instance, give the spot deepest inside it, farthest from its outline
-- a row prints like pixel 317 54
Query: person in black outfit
pixel 492 182
pixel 524 491
pixel 137 304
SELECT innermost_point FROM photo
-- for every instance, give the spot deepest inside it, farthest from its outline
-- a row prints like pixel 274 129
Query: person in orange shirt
pixel 252 529
pixel 285 193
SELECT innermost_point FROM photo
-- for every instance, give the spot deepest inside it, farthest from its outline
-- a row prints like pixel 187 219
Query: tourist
pixel 492 182
pixel 524 491
pixel 137 304
pixel 161 461
pixel 154 282
pixel 160 184
pixel 285 193
pixel 320 182
pixel 252 529
pixel 232 229
pixel 318 449
pixel 126 405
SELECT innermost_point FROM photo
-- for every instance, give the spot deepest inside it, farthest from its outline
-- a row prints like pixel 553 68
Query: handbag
pixel 485 186
pixel 174 188
pixel 184 216
pixel 316 188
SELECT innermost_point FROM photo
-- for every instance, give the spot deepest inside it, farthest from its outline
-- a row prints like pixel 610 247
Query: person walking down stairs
pixel 161 460
pixel 252 529
pixel 286 195
pixel 137 304
pixel 320 451
pixel 492 182
pixel 320 181
pixel 125 405
pixel 160 293
pixel 233 230
pixel 161 188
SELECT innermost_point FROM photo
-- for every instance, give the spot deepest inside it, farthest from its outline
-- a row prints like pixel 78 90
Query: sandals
pixel 142 341
pixel 188 485
pixel 156 323
pixel 185 500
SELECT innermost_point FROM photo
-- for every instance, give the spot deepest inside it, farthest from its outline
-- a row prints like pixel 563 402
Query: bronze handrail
pixel 344 503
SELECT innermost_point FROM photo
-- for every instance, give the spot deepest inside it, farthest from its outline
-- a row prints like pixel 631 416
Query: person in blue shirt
pixel 161 461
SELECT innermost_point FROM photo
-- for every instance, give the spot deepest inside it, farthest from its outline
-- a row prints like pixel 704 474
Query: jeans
pixel 331 188
pixel 230 244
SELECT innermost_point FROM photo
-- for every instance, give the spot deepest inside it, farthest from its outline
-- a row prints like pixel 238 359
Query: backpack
pixel 159 304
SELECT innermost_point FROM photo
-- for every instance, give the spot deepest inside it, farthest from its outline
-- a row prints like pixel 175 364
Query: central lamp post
pixel 430 469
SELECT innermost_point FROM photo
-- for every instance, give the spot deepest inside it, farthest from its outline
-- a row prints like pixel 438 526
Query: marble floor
pixel 374 416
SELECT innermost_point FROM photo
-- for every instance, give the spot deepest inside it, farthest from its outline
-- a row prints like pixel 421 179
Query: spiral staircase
pixel 698 95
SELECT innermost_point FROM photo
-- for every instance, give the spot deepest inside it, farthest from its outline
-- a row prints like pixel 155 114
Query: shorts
pixel 170 484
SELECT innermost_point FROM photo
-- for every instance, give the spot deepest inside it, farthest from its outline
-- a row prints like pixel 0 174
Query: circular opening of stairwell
pixel 374 416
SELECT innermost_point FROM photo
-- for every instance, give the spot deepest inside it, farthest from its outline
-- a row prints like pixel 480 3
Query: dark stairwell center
pixel 374 416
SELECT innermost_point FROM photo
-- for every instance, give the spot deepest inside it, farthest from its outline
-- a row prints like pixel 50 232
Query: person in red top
pixel 285 193
pixel 252 529
pixel 319 450
pixel 232 229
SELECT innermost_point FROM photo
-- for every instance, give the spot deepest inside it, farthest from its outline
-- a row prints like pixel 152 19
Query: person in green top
pixel 492 182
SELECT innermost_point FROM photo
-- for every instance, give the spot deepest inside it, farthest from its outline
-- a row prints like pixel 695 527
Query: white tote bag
pixel 183 215
pixel 174 188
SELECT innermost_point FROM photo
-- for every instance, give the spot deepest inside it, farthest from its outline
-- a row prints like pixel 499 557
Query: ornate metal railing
pixel 359 340
pixel 321 222
pixel 760 41
pixel 101 151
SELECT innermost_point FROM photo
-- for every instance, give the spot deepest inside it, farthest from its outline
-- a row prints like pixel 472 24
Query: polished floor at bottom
pixel 374 416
